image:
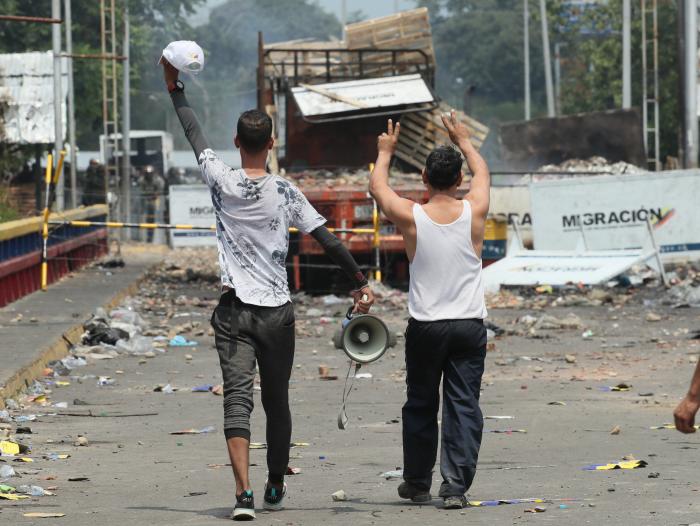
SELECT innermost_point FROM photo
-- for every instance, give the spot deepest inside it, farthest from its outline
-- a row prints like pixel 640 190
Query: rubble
pixel 595 165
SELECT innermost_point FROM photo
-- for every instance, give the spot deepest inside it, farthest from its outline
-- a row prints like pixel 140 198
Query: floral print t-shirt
pixel 253 217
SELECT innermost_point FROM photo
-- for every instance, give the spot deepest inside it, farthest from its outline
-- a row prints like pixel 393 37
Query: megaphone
pixel 363 337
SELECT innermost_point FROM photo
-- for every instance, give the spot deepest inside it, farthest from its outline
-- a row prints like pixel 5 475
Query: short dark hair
pixel 443 167
pixel 254 130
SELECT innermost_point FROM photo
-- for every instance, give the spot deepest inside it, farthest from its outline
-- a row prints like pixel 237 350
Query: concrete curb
pixel 60 347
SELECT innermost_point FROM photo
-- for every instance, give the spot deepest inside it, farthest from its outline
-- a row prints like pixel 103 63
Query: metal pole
pixel 691 80
pixel 71 108
pixel 547 60
pixel 343 15
pixel 526 53
pixel 557 78
pixel 626 54
pixel 126 122
pixel 57 95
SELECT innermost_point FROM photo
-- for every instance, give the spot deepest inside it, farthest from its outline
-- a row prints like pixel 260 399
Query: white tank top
pixel 445 273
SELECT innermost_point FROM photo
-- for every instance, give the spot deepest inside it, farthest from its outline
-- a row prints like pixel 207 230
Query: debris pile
pixel 593 165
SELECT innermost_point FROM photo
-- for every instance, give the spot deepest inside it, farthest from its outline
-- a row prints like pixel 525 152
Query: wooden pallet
pixel 406 30
pixel 422 131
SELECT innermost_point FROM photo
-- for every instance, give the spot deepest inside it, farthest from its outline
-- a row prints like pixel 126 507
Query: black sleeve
pixel 188 119
pixel 340 255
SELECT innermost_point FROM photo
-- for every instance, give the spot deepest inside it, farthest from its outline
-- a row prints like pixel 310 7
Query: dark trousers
pixel 452 351
pixel 264 335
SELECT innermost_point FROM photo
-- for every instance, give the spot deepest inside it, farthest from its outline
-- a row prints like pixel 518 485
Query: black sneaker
pixel 455 502
pixel 274 497
pixel 409 491
pixel 245 507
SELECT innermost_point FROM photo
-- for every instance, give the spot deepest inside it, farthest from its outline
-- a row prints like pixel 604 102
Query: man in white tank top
pixel 445 338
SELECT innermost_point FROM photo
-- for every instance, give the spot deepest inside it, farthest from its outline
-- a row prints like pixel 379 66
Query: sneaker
pixel 409 491
pixel 274 497
pixel 245 507
pixel 455 502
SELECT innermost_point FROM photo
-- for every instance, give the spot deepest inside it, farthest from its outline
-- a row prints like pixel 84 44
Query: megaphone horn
pixel 363 337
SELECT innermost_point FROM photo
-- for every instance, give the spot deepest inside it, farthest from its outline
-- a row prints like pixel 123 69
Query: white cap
pixel 185 55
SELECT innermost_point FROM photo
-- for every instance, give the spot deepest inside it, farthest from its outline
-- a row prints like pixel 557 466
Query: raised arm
pixel 397 209
pixel 188 119
pixel 480 187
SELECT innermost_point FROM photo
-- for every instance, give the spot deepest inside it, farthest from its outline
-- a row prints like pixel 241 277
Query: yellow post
pixel 59 168
pixel 45 225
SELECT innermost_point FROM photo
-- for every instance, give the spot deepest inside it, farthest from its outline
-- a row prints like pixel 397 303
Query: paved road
pixel 140 474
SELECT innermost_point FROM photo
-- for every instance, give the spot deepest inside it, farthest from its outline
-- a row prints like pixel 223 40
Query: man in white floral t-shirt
pixel 254 321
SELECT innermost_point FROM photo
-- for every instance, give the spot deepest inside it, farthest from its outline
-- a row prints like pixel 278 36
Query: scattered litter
pixel 363 375
pixel 616 388
pixel 506 431
pixel 181 341
pixel 78 479
pixel 536 509
pixel 499 417
pixel 627 464
pixel 56 456
pixel 218 390
pixel 103 381
pixel 34 491
pixel 13 496
pixel 587 335
pixel 167 389
pixel 570 358
pixel 6 472
pixel 8 448
pixel 652 316
pixel 654 475
pixel 208 429
pixel 195 493
pixel 393 475
pixel 43 515
pixel 615 430
pixel 293 471
pixel 324 373
pixel 202 388
pixel 501 502
pixel 557 402
pixel 81 441
pixel 670 426
pixel 339 496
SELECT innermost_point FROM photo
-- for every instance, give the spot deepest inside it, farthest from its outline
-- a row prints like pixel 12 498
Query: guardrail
pixel 68 248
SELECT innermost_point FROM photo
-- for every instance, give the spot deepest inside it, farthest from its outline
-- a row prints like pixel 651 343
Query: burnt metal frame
pixel 365 69
pixel 423 66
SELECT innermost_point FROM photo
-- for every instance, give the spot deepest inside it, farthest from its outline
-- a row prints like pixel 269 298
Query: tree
pixel 592 65
pixel 153 24
pixel 479 43
pixel 230 42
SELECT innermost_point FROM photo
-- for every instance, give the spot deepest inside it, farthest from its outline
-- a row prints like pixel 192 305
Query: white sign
pixel 612 212
pixel 190 204
pixel 534 267
pixel 26 98
pixel 368 93
pixel 514 203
